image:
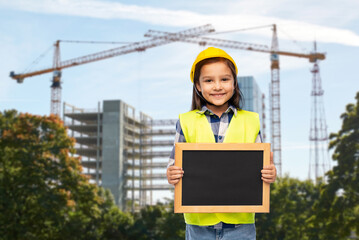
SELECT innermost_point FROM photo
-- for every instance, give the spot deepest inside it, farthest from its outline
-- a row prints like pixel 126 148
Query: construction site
pixel 127 151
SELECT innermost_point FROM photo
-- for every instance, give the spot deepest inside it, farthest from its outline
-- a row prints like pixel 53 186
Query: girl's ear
pixel 198 86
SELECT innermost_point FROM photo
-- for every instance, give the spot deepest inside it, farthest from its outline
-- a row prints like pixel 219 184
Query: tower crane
pixel 318 136
pixel 275 76
pixel 58 65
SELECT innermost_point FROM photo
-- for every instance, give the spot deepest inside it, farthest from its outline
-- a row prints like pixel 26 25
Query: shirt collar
pixel 205 110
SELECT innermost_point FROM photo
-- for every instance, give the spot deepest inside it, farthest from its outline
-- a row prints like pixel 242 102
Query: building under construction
pixel 121 150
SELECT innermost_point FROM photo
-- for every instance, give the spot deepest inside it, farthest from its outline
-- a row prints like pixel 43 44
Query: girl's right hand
pixel 174 174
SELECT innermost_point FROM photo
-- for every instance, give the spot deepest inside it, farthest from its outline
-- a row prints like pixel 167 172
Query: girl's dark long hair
pixel 198 101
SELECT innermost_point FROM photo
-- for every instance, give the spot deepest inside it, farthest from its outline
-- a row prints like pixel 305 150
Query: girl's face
pixel 216 83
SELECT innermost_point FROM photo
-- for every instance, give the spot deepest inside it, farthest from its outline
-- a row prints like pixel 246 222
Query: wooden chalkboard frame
pixel 180 147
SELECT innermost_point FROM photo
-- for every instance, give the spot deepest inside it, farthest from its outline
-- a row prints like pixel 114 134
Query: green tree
pixel 116 225
pixel 291 206
pixel 43 194
pixel 172 225
pixel 158 222
pixel 146 225
pixel 337 211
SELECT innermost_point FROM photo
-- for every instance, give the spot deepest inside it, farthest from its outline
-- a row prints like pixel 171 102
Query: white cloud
pixel 328 13
pixel 299 30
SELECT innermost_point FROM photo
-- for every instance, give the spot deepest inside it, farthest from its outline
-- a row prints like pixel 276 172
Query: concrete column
pixel 113 150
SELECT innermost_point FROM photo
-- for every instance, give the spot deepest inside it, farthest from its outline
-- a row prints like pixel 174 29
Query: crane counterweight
pixel 16 77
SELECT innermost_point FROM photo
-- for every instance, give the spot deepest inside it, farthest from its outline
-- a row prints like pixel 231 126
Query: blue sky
pixel 157 80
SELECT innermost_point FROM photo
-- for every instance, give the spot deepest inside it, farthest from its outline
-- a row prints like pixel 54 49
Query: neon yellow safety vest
pixel 243 128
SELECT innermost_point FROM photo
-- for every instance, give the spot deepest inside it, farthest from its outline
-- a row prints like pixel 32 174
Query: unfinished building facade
pixel 121 150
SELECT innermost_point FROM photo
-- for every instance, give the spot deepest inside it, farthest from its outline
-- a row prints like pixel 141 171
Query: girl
pixel 216 100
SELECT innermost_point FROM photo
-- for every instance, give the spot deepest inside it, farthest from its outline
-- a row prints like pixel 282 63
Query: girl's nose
pixel 217 85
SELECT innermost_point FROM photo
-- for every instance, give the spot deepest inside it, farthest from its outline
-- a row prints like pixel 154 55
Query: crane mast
pixel 318 136
pixel 275 104
pixel 56 82
pixel 133 47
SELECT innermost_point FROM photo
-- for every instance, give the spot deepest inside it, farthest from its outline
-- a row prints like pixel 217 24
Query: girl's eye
pixel 225 79
pixel 208 80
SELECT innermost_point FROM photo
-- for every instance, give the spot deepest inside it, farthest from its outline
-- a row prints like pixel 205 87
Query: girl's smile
pixel 218 95
pixel 216 83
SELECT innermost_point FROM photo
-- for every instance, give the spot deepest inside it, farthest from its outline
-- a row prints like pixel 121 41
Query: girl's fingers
pixel 269 172
pixel 177 176
pixel 270 167
pixel 174 182
pixel 268 180
pixel 172 168
pixel 176 171
pixel 268 175
pixel 174 174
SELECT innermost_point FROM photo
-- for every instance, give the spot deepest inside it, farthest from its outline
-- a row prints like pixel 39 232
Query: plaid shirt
pixel 219 128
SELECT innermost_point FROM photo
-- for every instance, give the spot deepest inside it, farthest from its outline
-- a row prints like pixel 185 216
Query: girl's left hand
pixel 269 173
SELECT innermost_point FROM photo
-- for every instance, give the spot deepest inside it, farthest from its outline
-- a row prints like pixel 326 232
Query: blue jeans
pixel 240 232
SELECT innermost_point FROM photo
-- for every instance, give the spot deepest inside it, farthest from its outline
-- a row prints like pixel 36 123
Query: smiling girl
pixel 216 102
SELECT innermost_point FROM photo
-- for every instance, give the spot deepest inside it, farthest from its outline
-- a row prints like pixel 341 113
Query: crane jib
pixel 133 47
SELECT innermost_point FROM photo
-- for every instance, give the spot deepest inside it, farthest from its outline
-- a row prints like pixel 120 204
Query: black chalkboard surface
pixel 222 177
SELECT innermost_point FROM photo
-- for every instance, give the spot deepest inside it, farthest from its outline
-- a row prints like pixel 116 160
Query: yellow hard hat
pixel 211 52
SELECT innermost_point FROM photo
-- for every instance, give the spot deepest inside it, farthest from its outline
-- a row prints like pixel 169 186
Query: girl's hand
pixel 269 173
pixel 174 174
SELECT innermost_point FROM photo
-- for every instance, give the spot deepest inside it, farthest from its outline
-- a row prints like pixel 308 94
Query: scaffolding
pixel 124 151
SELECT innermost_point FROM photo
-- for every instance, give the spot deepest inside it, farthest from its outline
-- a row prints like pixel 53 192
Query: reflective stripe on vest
pixel 243 128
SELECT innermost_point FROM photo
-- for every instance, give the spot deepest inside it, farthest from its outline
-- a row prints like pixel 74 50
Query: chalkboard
pixel 222 177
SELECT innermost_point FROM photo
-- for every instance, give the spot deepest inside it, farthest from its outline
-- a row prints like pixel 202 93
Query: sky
pixel 157 81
